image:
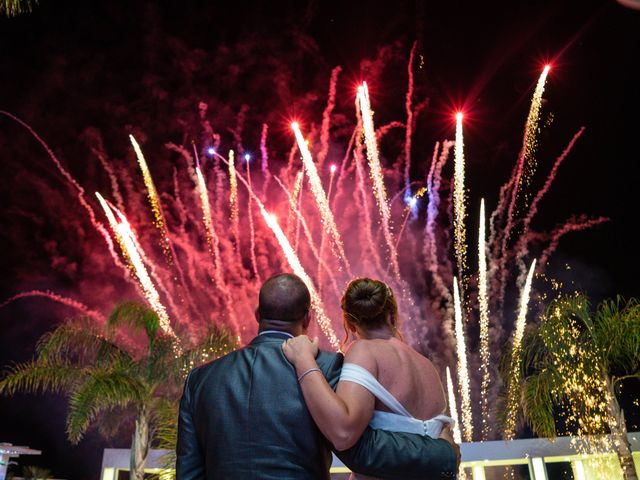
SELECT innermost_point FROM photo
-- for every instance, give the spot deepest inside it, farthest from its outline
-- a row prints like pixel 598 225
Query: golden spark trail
pixel 409 209
pixel 522 176
pixel 463 370
pixel 315 183
pixel 514 377
pixel 152 195
pixel 233 200
pixel 459 213
pixel 212 237
pixel 483 300
pixel 296 266
pixel 377 176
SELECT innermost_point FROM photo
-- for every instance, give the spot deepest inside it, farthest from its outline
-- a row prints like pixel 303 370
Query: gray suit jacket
pixel 243 416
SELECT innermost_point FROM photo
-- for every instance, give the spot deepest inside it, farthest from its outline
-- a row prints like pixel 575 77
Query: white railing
pixel 477 459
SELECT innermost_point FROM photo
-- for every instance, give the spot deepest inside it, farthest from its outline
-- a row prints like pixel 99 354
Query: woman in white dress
pixel 384 382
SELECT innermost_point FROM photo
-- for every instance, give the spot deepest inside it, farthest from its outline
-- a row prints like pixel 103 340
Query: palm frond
pixel 537 403
pixel 617 333
pixel 137 316
pixel 11 8
pixel 38 376
pixel 165 425
pixel 102 390
pixel 80 342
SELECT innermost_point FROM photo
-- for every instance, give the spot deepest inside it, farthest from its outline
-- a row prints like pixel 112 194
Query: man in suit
pixel 243 416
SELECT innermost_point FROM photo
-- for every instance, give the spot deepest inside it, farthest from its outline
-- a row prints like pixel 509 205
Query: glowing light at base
pixel 514 383
pixel 154 201
pixel 463 370
pixel 459 213
pixel 483 301
pixel 296 266
pixel 315 184
pixel 377 176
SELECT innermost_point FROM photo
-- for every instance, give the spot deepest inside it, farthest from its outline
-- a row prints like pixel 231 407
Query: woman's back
pixel 408 376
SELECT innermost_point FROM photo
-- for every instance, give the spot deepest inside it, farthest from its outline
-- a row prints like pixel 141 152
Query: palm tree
pixel 576 360
pixel 106 374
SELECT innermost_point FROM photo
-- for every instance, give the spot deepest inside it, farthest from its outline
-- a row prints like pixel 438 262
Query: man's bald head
pixel 284 297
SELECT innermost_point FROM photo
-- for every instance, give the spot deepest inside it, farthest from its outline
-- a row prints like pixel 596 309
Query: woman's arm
pixel 341 416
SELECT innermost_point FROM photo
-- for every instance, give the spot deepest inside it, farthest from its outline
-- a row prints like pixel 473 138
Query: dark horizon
pixel 121 67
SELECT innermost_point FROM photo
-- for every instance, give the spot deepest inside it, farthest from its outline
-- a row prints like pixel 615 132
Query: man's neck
pixel 294 329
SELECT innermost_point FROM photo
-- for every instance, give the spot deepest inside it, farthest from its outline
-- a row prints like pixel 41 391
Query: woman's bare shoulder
pixel 362 352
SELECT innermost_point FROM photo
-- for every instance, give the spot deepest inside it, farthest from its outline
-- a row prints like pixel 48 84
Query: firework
pixel 70 302
pixel 514 384
pixel 212 237
pixel 377 177
pixel 433 261
pixel 323 235
pixel 126 237
pixel 521 250
pixel 410 121
pixel 453 413
pixel 459 213
pixel 154 201
pixel 364 197
pixel 252 232
pixel 483 300
pixel 264 160
pixel 233 199
pixel 519 180
pixel 326 117
pixel 315 183
pixel 463 370
pixel 293 199
pixel 296 266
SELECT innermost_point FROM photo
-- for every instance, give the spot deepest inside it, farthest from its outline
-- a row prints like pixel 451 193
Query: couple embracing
pixel 278 407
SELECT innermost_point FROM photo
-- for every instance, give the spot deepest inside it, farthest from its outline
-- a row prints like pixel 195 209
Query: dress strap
pixel 363 377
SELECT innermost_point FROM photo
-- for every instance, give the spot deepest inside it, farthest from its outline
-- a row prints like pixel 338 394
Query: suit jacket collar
pixel 270 337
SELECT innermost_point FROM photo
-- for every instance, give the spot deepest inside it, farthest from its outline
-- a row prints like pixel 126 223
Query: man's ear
pixel 306 320
pixel 257 314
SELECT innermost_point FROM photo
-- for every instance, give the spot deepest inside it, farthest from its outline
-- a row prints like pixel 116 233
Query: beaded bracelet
pixel 307 373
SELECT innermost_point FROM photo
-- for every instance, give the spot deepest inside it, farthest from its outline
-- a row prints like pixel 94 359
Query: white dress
pixel 399 419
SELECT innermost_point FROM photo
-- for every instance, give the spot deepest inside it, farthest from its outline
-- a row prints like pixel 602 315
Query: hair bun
pixel 365 298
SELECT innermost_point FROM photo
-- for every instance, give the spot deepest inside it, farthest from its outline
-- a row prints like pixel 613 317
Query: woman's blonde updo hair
pixel 369 304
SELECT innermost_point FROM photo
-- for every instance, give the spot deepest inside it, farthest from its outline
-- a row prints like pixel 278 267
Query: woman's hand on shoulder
pixel 300 349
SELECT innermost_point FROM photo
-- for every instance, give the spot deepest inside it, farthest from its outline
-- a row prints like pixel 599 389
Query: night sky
pixel 142 66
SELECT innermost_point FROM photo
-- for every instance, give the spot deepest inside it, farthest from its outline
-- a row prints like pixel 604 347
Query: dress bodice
pixel 399 419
